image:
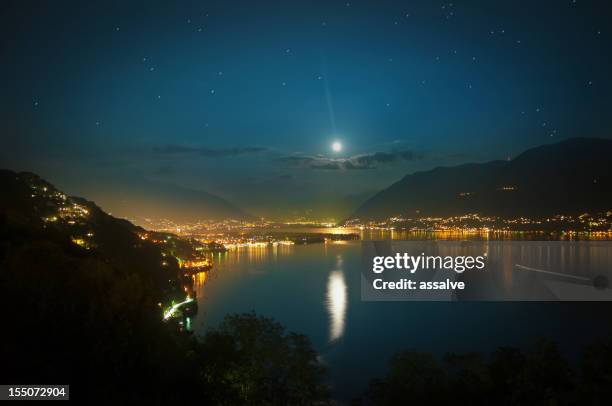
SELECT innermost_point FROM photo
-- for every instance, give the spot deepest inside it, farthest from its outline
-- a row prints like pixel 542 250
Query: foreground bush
pixel 509 377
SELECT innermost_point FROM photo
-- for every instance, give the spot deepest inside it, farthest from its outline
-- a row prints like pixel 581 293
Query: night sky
pixel 244 99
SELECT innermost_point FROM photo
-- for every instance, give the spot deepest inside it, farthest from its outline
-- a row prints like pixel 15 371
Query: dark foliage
pixel 509 377
pixel 257 362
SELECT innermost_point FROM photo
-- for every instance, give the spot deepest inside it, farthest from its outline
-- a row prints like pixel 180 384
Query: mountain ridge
pixel 565 177
pixel 134 196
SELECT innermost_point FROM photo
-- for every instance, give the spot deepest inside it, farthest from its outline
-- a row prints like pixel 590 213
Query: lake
pixel 315 289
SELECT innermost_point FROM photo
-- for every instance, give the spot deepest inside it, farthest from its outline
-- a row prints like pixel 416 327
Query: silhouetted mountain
pixel 568 177
pixel 136 197
pixel 33 207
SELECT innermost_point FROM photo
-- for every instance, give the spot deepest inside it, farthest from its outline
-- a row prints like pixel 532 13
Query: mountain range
pixel 569 177
pixel 137 197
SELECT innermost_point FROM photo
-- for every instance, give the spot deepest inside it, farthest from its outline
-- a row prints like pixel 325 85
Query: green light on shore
pixel 170 312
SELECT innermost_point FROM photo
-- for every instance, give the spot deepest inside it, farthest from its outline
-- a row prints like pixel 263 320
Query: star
pixel 212 91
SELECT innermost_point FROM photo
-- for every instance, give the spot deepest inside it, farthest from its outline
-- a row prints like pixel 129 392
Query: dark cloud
pixel 373 159
pixel 364 161
pixel 173 149
pixel 350 165
pixel 332 166
pixel 299 160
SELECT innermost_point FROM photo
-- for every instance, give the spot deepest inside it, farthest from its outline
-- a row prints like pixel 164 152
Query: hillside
pixel 83 295
pixel 80 291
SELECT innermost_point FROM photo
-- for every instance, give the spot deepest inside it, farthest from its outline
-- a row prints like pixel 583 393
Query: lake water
pixel 315 289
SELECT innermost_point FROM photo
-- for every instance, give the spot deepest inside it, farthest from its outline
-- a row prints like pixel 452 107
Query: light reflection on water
pixel 252 254
pixel 336 295
pixel 199 279
pixel 336 301
pixel 315 289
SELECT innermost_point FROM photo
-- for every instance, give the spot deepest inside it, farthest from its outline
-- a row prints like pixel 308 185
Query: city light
pixel 170 312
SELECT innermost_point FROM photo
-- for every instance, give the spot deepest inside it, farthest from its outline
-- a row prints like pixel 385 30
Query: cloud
pixel 174 149
pixel 298 160
pixel 364 161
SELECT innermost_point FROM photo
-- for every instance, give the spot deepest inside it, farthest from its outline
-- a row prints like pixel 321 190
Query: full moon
pixel 336 146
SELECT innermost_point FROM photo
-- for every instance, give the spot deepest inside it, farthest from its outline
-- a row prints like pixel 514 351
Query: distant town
pixel 239 233
pixel 585 224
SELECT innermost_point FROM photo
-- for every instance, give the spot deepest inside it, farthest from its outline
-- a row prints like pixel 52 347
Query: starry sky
pixel 245 99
